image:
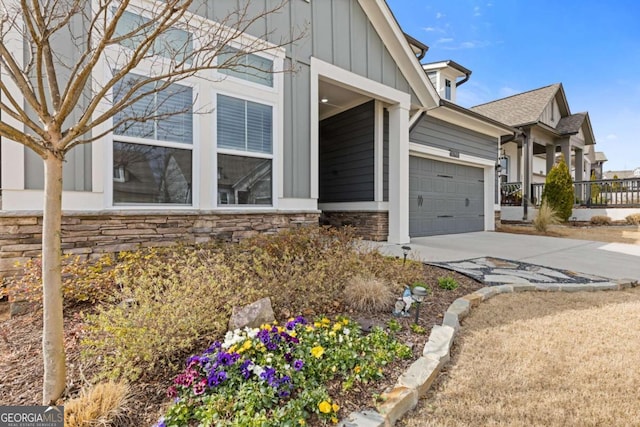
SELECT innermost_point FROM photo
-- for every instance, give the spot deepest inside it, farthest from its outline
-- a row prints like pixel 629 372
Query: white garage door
pixel 444 198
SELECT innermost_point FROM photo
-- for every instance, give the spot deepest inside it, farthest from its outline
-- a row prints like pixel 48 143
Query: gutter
pixel 417 43
pixel 455 107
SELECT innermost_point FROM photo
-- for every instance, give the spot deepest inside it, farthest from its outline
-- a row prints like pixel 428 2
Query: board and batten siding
pixel 347 156
pixel 336 31
pixel 439 134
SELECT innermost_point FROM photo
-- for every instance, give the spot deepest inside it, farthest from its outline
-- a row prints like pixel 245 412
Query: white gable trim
pixel 393 38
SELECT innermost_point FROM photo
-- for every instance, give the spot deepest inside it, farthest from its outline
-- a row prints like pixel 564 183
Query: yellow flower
pixel 317 351
pixel 325 407
pixel 293 333
pixel 335 407
pixel 334 420
pixel 232 348
pixel 309 328
pixel 302 422
pixel 332 333
pixel 346 322
pixel 337 326
pixel 325 321
pixel 317 324
pixel 357 369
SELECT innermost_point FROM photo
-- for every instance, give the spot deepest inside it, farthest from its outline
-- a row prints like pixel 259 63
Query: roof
pixel 443 64
pixel 570 124
pixel 520 109
pixel 600 157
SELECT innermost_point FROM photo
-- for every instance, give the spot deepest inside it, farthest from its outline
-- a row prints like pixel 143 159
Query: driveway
pixel 610 260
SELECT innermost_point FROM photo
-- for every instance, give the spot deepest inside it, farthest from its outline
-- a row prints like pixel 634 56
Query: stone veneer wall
pixel 92 234
pixel 368 225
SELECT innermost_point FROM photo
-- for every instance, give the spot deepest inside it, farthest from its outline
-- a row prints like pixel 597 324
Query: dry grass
pixel 600 220
pixel 614 234
pixel 633 219
pixel 101 405
pixel 546 216
pixel 543 359
pixel 369 294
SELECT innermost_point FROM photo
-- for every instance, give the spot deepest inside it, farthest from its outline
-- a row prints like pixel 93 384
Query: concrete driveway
pixel 611 260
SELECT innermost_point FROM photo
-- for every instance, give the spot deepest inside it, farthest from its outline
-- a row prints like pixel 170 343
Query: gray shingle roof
pixel 520 109
pixel 570 124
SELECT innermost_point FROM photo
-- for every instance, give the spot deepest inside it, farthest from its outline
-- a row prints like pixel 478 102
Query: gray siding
pixel 347 156
pixel 439 134
pixel 338 32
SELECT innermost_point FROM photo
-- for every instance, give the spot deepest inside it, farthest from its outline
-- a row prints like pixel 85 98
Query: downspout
pixel 467 76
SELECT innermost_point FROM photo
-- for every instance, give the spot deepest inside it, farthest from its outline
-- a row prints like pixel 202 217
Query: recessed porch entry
pixel 444 198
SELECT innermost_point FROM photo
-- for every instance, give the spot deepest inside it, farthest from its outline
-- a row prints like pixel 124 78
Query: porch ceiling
pixel 337 99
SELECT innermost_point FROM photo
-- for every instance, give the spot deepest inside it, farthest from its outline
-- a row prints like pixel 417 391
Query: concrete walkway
pixel 608 260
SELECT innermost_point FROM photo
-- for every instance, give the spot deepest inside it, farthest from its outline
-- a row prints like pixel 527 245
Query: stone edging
pixel 422 373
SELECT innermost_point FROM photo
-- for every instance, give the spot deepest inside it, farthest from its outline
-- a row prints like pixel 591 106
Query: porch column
pixel 565 147
pixel 398 174
pixel 527 148
pixel 551 157
pixel 520 162
pixel 579 164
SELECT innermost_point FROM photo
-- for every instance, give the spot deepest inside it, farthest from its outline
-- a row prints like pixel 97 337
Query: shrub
pixel 171 301
pixel 633 219
pixel 102 404
pixel 174 299
pixel 595 190
pixel 448 283
pixel 369 294
pixel 85 280
pixel 278 375
pixel 558 190
pixel 546 216
pixel 600 220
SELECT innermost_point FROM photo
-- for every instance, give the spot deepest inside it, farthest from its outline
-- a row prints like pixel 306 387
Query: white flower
pixel 346 331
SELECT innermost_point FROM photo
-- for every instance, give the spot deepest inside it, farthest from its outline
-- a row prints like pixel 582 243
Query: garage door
pixel 444 198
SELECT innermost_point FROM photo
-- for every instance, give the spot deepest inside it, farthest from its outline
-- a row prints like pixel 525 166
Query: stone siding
pixel 96 233
pixel 368 225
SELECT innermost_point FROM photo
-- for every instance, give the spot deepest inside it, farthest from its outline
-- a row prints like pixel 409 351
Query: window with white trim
pixel 249 67
pixel 153 159
pixel 245 152
pixel 447 89
pixel 174 43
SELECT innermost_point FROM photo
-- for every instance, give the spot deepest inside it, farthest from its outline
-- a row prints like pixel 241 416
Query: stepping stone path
pixel 496 271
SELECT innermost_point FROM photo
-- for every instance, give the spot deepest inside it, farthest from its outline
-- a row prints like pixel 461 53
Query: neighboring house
pixel 625 174
pixel 597 167
pixel 357 135
pixel 547 129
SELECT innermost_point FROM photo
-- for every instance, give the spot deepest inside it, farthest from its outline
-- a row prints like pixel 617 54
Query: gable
pixel 344 36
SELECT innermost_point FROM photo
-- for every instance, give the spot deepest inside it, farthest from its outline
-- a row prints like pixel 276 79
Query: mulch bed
pixel 22 371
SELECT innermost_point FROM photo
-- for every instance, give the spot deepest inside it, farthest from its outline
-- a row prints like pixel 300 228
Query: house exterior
pixel 357 135
pixel 547 128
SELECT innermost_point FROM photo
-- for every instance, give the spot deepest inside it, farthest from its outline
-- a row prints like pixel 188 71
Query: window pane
pixel 149 174
pixel 244 180
pixel 173 43
pixel 248 67
pixel 244 125
pixel 231 123
pixel 176 102
pixel 259 124
pixel 172 107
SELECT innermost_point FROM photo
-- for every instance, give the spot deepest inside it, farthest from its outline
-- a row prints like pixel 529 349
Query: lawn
pixel 542 359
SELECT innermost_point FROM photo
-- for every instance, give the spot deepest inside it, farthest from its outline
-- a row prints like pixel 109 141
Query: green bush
pixel 545 217
pixel 595 190
pixel 448 283
pixel 600 220
pixel 558 190
pixel 633 219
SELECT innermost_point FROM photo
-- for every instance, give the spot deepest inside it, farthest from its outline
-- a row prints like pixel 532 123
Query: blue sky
pixel 591 47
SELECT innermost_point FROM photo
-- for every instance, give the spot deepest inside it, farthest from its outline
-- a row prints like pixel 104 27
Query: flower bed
pixel 278 375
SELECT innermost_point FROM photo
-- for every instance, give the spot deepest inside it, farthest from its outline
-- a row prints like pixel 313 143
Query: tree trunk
pixel 53 322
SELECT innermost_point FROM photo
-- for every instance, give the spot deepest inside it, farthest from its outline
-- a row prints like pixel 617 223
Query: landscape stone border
pixel 422 373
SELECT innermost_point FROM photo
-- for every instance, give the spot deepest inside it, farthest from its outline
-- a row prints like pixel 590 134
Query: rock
pixel 252 315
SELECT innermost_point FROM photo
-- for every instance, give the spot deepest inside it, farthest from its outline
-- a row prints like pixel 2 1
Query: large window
pixel 245 152
pixel 248 67
pixel 152 159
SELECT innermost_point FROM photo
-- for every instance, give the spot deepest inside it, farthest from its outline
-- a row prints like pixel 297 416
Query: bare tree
pixel 119 36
